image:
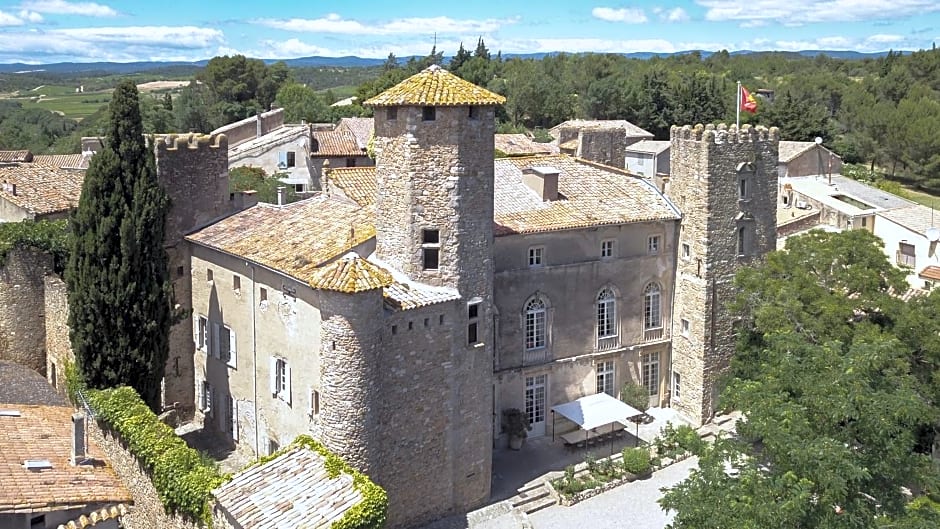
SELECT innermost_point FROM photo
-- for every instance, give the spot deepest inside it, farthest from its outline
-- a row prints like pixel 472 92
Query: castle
pixel 397 313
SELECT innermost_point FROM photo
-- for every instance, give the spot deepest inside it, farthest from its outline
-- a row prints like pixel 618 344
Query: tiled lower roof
pixel 295 238
pixel 356 183
pixel 41 190
pixel 22 385
pixel 63 161
pixel 15 156
pixel 292 490
pixel 520 144
pixel 334 144
pixel 45 433
pixel 350 274
pixel 931 272
pixel 94 518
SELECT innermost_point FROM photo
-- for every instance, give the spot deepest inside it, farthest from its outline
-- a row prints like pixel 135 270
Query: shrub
pixel 181 475
pixel 636 460
pixel 635 395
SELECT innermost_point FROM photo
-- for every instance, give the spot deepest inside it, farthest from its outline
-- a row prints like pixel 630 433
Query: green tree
pixel 264 185
pixel 301 102
pixel 835 408
pixel 458 59
pixel 120 296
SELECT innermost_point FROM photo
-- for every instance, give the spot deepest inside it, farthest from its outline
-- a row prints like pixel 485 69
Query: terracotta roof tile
pixel 45 433
pixel 931 272
pixel 335 144
pixel 63 161
pixel 350 274
pixel 22 385
pixel 15 156
pixel 407 295
pixel 96 517
pixel 520 144
pixel 361 128
pixel 435 86
pixel 291 490
pixel 356 183
pixel 630 130
pixel 41 190
pixel 296 238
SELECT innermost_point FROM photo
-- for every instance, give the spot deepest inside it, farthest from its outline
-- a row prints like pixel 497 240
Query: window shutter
pixel 196 329
pixel 232 359
pixel 272 375
pixel 200 400
pixel 215 340
pixel 234 407
pixel 287 397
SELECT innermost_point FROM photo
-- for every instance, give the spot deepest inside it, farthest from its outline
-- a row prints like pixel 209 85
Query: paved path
pixel 632 505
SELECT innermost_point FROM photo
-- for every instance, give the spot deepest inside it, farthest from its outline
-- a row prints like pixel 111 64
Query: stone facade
pixel 603 145
pixel 22 307
pixel 724 180
pixel 58 346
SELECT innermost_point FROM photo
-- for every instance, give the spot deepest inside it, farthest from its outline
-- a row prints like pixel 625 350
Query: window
pixel 535 256
pixel 640 161
pixel 236 282
pixel 652 245
pixel 52 377
pixel 299 188
pixel 473 322
pixel 273 447
pixel 205 397
pixel 223 344
pixel 180 271
pixel 428 113
pixel 675 385
pixel 430 249
pixel 286 159
pixel 280 379
pixel 686 250
pixel 742 188
pixel 535 324
pixel 391 113
pixel 864 222
pixel 650 371
pixel 350 162
pixel 209 274
pixel 742 241
pixel 263 294
pixel 202 333
pixel 606 314
pixel 313 407
pixel 473 113
pixel 652 317
pixel 231 418
pixel 685 327
pixel 605 377
pixel 906 254
pixel 607 249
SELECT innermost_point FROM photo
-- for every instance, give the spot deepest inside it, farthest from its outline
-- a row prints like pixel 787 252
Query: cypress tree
pixel 119 290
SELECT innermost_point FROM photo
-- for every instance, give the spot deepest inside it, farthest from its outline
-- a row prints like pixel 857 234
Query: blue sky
pixel 40 31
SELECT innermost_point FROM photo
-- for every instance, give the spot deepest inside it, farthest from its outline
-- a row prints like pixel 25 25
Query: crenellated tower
pixel 724 181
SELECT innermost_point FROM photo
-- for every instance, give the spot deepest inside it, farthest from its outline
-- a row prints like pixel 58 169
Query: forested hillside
pixel 881 112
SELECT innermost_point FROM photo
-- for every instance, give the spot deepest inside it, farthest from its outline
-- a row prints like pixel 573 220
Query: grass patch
pixel 920 197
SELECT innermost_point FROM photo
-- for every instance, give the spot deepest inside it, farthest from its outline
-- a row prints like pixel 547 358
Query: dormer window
pixel 391 113
pixel 428 113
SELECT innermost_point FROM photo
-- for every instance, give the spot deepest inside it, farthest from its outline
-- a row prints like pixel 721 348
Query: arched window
pixel 652 299
pixel 535 324
pixel 606 314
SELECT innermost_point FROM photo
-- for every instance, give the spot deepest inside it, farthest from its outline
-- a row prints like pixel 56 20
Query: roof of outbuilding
pixel 15 156
pixel 649 146
pixel 292 490
pixel 63 161
pixel 356 183
pixel 630 130
pixel 435 86
pixel 931 272
pixel 296 238
pixel 335 144
pixel 361 128
pixel 350 274
pixel 45 433
pixel 22 385
pixel 520 144
pixel 41 190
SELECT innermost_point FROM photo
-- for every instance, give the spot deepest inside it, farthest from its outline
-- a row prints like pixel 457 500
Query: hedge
pixel 182 476
pixel 50 236
pixel 370 513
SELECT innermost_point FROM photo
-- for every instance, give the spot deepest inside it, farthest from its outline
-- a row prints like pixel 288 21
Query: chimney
pixel 281 195
pixel 543 180
pixel 78 438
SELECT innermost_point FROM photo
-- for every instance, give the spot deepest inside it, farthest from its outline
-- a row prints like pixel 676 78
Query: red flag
pixel 748 103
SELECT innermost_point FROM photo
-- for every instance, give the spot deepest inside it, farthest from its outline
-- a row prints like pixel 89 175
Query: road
pixel 632 505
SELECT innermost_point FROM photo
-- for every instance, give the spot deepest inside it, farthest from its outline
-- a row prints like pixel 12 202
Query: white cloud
pixel 884 39
pixel 290 48
pixel 333 23
pixel 796 12
pixel 753 24
pixel 676 14
pixel 30 16
pixel 6 19
pixel 837 42
pixel 631 15
pixel 63 7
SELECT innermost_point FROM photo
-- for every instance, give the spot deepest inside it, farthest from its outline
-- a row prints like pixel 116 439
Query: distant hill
pixel 358 62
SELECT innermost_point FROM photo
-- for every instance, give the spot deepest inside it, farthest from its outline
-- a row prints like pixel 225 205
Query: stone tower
pixel 434 146
pixel 724 182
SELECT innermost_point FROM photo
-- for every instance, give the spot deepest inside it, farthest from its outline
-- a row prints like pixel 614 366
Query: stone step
pixel 522 500
pixel 532 485
pixel 536 506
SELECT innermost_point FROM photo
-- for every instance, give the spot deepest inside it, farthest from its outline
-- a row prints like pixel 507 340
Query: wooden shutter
pixel 232 358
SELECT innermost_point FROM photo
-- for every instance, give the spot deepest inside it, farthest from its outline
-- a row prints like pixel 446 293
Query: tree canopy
pixel 839 400
pixel 120 296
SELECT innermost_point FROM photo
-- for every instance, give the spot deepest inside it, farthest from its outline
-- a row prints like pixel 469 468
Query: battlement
pixel 721 133
pixel 191 141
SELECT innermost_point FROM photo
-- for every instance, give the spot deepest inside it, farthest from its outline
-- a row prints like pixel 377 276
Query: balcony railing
pixel 654 335
pixel 607 343
pixel 535 356
pixel 906 260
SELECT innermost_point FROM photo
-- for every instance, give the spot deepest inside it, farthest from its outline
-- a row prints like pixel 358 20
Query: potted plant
pixel 637 396
pixel 516 425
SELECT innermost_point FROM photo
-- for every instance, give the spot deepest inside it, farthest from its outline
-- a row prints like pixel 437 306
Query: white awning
pixel 597 410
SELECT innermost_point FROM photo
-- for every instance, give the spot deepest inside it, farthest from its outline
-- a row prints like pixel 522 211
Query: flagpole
pixel 737 108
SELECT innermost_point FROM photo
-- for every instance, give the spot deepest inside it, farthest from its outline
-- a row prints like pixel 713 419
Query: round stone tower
pixel 724 180
pixel 350 342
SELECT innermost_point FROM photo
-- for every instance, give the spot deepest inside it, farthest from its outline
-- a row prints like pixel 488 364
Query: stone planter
pixel 516 442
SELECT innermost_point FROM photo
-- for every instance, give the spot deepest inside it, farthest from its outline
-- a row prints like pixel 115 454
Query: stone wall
pixel 250 128
pixel 603 145
pixel 22 307
pixel 147 511
pixel 708 164
pixel 797 225
pixel 58 347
